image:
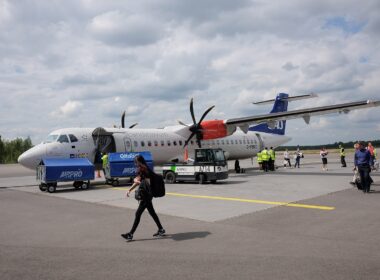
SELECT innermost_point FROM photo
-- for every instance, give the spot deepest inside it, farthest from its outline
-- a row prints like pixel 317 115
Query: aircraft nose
pixel 31 157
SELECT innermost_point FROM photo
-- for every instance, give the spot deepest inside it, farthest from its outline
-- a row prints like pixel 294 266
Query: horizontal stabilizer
pixel 289 98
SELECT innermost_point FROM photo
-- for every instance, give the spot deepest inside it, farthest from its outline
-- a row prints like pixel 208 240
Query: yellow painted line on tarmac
pixel 318 207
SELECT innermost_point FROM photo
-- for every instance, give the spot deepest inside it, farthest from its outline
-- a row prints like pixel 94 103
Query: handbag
pixel 143 191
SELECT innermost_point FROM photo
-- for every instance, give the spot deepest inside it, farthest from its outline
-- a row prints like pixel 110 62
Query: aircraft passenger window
pixel 63 139
pixel 217 142
pixel 155 143
pixel 142 143
pixel 73 138
pixel 222 141
pixel 227 142
pixel 175 143
pixel 162 143
pixel 236 141
pixel 168 142
pixel 149 143
pixel 135 143
pixel 192 142
pixel 240 142
pixel 244 141
pixel 180 142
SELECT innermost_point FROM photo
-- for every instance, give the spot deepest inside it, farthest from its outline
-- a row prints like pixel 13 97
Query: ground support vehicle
pixel 121 165
pixel 208 165
pixel 50 171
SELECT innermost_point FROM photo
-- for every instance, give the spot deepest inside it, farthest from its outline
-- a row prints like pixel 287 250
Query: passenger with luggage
pixel 362 163
pixel 147 182
pixel 287 158
pixel 297 157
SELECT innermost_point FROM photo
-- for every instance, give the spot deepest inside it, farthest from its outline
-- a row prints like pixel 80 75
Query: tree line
pixel 10 150
pixel 375 143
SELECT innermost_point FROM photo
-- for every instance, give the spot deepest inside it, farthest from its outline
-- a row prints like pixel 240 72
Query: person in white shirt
pixel 323 153
pixel 287 158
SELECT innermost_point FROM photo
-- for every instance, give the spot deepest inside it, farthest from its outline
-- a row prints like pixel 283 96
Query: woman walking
pixel 324 154
pixel 144 174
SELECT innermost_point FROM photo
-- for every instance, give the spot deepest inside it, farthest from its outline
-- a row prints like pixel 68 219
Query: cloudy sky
pixel 83 62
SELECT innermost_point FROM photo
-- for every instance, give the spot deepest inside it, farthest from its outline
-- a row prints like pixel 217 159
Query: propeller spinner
pixel 196 127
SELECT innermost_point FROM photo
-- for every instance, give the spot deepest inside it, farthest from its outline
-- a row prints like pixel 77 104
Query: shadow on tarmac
pixel 178 236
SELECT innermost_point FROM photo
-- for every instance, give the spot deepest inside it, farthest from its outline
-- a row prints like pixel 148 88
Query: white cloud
pixel 149 58
pixel 69 109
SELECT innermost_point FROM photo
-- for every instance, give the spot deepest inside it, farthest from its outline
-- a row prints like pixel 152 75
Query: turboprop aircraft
pixel 240 138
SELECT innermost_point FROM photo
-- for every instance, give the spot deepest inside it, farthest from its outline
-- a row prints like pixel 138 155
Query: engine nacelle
pixel 213 129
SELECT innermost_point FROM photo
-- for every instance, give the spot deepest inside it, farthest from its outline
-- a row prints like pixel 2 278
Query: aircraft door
pixel 128 144
pixel 261 143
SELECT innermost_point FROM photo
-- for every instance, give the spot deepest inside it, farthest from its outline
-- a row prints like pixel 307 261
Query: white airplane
pixel 240 138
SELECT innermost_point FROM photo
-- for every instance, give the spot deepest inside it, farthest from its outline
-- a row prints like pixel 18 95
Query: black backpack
pixel 157 185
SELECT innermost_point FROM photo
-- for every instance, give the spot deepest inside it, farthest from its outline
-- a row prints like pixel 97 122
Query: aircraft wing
pixel 272 118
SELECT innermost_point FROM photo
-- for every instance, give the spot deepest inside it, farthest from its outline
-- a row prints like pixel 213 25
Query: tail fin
pixel 280 105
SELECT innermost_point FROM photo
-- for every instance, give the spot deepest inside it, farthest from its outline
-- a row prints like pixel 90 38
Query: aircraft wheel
pixel 43 187
pixel 202 179
pixel 115 183
pixel 213 181
pixel 170 177
pixel 51 188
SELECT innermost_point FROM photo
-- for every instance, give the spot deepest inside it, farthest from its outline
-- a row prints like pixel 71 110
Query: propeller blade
pixel 180 122
pixel 192 111
pixel 123 120
pixel 188 139
pixel 199 143
pixel 133 125
pixel 205 113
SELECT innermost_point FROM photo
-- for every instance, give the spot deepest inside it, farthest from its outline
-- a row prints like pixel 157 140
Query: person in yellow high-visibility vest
pixel 265 158
pixel 342 156
pixel 272 158
pixel 260 160
pixel 104 163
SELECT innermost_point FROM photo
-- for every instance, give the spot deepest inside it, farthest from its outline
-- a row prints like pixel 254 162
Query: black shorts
pixel 324 160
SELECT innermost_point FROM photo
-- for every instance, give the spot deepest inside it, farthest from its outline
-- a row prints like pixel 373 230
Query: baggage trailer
pixel 121 165
pixel 208 165
pixel 50 171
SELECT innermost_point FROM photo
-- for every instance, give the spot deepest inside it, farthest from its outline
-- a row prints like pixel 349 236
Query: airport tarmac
pixel 290 224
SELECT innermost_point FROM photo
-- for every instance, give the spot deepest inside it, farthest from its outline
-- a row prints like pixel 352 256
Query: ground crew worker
pixel 265 157
pixel 342 156
pixel 272 158
pixel 104 163
pixel 260 160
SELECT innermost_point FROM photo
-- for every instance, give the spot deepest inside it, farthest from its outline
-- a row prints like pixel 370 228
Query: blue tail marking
pixel 280 105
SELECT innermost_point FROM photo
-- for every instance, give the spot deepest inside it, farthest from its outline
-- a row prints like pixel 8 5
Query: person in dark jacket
pixel 362 163
pixel 143 178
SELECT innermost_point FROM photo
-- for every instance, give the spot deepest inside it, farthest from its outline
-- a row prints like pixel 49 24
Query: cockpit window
pixel 73 138
pixel 51 138
pixel 63 139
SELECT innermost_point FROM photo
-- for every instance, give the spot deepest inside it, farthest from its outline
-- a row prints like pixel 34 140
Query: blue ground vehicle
pixel 121 165
pixel 50 171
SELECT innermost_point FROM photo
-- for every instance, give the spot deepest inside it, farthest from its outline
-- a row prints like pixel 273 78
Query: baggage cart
pixel 121 165
pixel 50 171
